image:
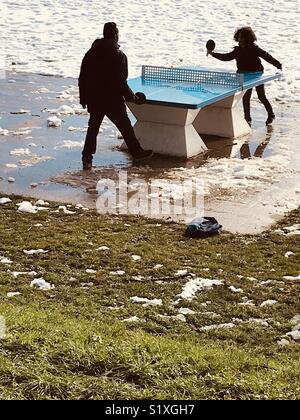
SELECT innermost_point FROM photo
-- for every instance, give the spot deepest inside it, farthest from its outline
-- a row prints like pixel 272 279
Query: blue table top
pixel 193 96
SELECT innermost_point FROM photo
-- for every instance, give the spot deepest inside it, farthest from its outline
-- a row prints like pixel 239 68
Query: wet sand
pixel 33 154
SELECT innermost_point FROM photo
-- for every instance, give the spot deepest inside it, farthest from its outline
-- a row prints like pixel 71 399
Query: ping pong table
pixel 183 103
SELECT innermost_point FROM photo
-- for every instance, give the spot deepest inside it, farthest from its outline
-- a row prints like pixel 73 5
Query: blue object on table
pixel 193 87
pixel 202 227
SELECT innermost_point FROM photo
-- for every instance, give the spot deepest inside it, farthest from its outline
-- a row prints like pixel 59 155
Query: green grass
pixel 69 343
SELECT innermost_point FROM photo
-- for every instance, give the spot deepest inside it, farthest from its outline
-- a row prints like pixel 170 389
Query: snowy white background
pixel 52 37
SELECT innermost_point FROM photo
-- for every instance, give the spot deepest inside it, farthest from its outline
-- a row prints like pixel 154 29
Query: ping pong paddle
pixel 140 98
pixel 210 45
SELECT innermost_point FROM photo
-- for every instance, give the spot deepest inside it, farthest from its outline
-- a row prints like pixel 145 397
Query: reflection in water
pixel 259 151
pixel 240 147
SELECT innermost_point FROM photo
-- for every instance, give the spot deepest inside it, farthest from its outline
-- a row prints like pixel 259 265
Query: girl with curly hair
pixel 247 55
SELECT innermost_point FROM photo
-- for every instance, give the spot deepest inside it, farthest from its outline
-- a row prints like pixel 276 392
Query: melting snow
pixel 292 277
pixel 131 319
pixel 13 294
pixel 20 152
pixel 117 273
pixel 4 200
pixel 26 207
pixel 54 122
pixel 234 290
pixel 268 303
pixel 70 144
pixel 194 285
pixel 4 260
pixel 288 254
pixel 41 284
pixel 35 251
pixel 145 301
pixel 23 273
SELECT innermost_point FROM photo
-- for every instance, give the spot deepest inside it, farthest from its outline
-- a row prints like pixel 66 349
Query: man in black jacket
pixel 103 89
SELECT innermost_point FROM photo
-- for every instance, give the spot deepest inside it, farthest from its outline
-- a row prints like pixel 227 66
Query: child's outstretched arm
pixel 266 56
pixel 224 57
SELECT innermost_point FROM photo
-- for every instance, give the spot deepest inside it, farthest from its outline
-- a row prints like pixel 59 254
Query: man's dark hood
pixel 105 44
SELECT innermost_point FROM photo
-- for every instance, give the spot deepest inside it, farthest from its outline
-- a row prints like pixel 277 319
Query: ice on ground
pixel 158 266
pixel 62 110
pixel 86 285
pixel 103 248
pixel 180 273
pixel 20 152
pixel 4 132
pixel 90 271
pixel 4 201
pixel 234 290
pixel 295 333
pixel 41 284
pixel 289 230
pixel 269 302
pixel 291 277
pixel 136 257
pixel 26 207
pixel 65 210
pixel 54 122
pixel 70 144
pixel 35 251
pixel 81 207
pixel 132 319
pixel 42 203
pixel 283 342
pixel 4 260
pixel 288 254
pixel 186 311
pixel 13 294
pixel 117 273
pixel 34 160
pixel 138 278
pixel 23 273
pixel 193 286
pixel 145 301
pixel 295 320
pixel 79 129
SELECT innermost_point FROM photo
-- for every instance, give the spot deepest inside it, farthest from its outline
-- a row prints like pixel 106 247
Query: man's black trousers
pixel 117 114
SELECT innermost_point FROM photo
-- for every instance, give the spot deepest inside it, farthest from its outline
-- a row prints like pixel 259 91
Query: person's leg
pixel 118 115
pixel 263 99
pixel 96 118
pixel 246 104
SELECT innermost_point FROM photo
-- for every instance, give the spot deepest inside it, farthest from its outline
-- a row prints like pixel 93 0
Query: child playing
pixel 247 56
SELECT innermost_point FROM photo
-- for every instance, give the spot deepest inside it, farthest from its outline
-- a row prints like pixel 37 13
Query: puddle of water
pixel 57 169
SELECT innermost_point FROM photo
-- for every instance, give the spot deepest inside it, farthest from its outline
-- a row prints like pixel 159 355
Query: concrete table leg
pixel 167 130
pixel 223 118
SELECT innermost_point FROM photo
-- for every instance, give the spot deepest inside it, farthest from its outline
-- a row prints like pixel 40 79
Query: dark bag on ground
pixel 202 227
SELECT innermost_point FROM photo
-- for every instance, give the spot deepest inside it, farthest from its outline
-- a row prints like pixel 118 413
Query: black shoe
pixel 270 119
pixel 142 155
pixel 87 164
